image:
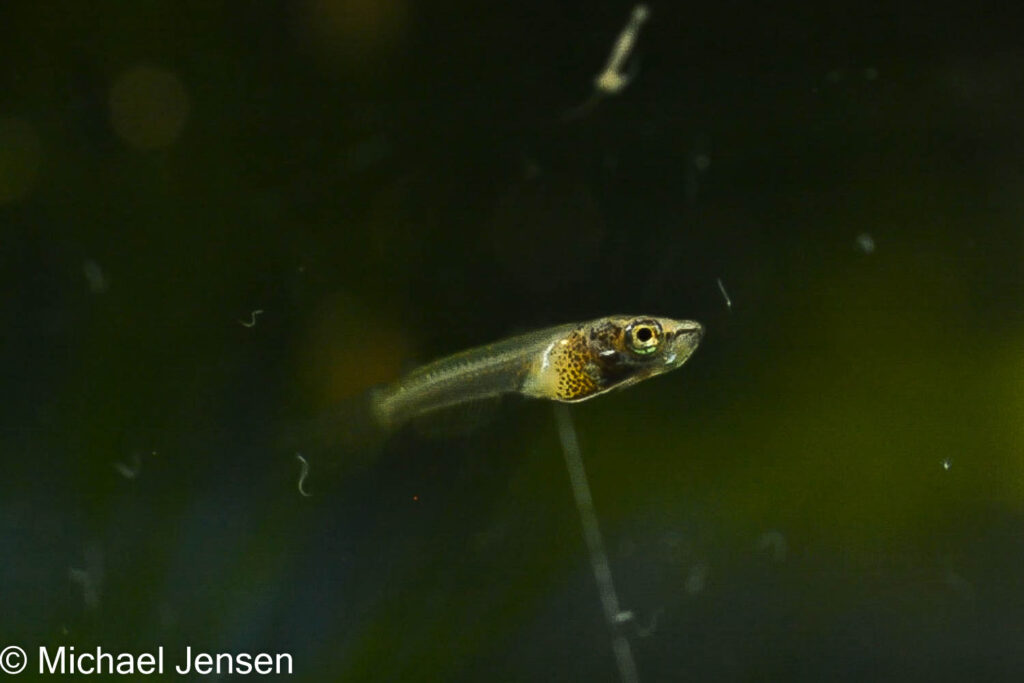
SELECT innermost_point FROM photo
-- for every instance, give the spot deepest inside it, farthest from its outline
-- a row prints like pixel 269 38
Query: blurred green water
pixel 392 182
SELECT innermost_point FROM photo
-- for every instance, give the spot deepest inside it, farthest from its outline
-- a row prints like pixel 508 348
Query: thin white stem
pixel 595 544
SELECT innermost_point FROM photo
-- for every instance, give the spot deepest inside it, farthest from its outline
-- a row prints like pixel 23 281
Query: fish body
pixel 568 363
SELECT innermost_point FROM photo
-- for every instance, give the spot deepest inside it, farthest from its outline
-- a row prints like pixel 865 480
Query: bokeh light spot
pixel 148 107
pixel 349 349
pixel 347 33
pixel 20 158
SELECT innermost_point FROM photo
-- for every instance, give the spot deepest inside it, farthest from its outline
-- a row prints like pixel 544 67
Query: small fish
pixel 567 363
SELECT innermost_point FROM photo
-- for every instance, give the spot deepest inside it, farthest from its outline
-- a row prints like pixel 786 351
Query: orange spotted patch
pixel 576 370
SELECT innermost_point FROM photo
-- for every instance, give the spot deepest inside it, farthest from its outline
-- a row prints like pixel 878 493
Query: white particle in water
pixel 866 243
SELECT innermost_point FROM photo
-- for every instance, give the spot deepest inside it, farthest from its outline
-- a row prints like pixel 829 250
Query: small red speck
pixel 415 497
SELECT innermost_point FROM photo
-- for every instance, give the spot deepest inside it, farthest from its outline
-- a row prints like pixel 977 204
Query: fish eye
pixel 643 337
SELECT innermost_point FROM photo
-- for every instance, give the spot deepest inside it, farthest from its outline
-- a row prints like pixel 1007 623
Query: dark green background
pixel 831 489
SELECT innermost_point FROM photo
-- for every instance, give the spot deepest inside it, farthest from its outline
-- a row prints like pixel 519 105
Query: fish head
pixel 620 351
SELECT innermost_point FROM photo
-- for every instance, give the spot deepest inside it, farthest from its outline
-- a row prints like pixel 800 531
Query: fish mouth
pixel 688 332
pixel 686 336
pixel 696 331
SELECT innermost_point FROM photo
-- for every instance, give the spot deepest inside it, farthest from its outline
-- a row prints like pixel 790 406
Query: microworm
pixel 130 471
pixel 725 294
pixel 252 319
pixel 303 473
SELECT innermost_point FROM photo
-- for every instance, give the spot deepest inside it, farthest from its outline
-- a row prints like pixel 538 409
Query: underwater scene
pixel 385 340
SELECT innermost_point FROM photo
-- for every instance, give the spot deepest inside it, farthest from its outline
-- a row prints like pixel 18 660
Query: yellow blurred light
pixel 350 349
pixel 148 107
pixel 20 158
pixel 350 33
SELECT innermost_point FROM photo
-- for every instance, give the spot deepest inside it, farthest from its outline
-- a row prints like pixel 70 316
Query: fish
pixel 566 363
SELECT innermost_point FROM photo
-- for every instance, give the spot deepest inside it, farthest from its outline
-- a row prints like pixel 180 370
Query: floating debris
pixel 697 580
pixel 698 162
pixel 774 541
pixel 95 277
pixel 866 243
pixel 612 80
pixel 959 584
pixel 947 463
pixel 652 625
pixel 130 471
pixel 90 578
